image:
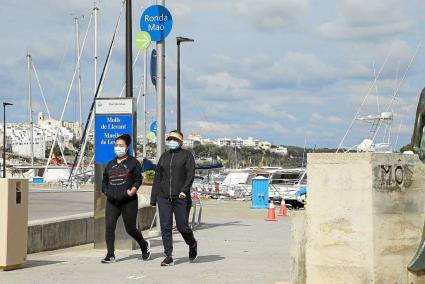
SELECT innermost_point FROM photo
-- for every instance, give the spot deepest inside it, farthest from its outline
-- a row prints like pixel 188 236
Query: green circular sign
pixel 143 40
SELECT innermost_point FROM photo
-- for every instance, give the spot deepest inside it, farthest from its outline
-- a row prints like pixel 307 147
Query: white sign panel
pixel 114 106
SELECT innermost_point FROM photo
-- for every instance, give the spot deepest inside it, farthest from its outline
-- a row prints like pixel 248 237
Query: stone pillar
pixel 365 217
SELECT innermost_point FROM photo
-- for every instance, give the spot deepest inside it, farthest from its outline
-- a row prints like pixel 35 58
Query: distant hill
pixel 247 156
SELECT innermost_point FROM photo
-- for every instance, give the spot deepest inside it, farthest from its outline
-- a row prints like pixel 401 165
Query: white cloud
pixel 179 11
pixel 272 14
pixel 364 19
pixel 293 69
pixel 320 118
pixel 223 81
pixel 213 128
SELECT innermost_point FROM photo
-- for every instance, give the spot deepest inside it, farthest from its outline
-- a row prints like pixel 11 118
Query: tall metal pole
pixel 96 11
pixel 4 140
pixel 178 88
pixel 128 52
pixel 77 62
pixel 179 40
pixel 4 137
pixel 145 87
pixel 30 110
pixel 160 93
pixel 129 67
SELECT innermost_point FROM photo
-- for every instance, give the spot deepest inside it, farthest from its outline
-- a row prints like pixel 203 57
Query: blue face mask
pixel 120 151
pixel 173 145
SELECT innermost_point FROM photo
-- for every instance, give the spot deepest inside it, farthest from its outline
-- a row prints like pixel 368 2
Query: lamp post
pixel 4 137
pixel 179 39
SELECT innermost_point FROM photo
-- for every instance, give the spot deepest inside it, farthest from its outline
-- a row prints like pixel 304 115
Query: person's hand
pixel 182 195
pixel 129 193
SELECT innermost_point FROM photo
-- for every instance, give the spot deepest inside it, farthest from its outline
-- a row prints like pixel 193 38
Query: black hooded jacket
pixel 174 174
pixel 119 177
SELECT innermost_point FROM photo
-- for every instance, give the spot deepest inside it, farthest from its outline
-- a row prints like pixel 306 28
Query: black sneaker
pixel 168 261
pixel 108 259
pixel 146 253
pixel 193 252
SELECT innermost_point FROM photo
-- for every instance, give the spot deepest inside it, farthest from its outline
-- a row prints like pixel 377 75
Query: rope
pixel 364 100
pixel 98 91
pixel 67 97
pixel 41 89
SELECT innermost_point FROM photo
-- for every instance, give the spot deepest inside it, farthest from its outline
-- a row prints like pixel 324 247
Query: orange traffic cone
pixel 282 210
pixel 271 215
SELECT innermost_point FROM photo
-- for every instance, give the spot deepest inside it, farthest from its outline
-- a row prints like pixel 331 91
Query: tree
pixel 407 147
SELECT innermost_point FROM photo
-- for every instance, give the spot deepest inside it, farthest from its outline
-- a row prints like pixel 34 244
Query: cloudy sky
pixel 279 70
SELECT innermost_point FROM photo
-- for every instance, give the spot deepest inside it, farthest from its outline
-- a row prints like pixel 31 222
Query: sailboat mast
pixel 77 62
pixel 30 110
pixel 96 11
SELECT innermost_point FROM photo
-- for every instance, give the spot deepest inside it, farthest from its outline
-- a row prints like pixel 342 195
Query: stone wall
pixel 63 232
pixel 364 218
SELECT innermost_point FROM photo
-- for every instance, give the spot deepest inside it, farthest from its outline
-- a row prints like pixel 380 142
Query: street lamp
pixel 179 40
pixel 4 137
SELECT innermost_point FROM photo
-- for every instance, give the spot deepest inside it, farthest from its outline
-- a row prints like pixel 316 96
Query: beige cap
pixel 176 136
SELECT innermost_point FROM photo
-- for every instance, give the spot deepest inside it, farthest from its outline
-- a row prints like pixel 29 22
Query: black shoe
pixel 193 252
pixel 146 253
pixel 168 261
pixel 109 258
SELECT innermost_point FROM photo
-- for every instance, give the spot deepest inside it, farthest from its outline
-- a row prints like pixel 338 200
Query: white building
pixel 73 127
pixel 187 143
pixel 265 145
pixel 195 137
pixel 283 151
pixel 239 142
pixel 23 147
pixel 221 142
pixel 251 142
pixel 18 138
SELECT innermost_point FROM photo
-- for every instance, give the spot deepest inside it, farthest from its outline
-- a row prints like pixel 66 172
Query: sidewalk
pixel 236 245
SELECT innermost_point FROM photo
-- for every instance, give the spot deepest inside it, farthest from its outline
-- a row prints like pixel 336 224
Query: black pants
pixel 129 215
pixel 181 209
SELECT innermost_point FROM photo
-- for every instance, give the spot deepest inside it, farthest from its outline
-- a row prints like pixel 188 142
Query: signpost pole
pixel 158 22
pixel 145 86
pixel 178 88
pixel 160 93
pixel 128 52
pixel 129 67
pixel 160 106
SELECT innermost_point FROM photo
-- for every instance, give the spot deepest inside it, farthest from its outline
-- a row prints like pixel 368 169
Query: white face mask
pixel 120 151
pixel 173 145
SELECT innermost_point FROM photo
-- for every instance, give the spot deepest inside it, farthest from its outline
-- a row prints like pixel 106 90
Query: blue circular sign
pixel 154 126
pixel 157 21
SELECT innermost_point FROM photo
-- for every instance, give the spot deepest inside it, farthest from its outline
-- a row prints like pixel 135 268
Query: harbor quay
pixel 236 245
pixel 274 141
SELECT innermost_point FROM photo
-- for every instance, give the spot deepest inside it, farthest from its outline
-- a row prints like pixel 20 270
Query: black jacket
pixel 174 174
pixel 118 177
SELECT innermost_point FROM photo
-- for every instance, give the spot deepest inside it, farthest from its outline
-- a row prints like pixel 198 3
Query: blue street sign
pixel 153 127
pixel 157 21
pixel 107 129
pixel 153 67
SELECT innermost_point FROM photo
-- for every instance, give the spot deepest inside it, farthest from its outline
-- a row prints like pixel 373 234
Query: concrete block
pixel 62 232
pixel 297 247
pixel 35 239
pixel 364 217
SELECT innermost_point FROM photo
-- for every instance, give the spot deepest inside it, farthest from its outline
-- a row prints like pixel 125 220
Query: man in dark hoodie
pixel 174 176
pixel 121 180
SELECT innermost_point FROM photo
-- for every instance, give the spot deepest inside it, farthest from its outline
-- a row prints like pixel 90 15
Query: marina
pixel 187 141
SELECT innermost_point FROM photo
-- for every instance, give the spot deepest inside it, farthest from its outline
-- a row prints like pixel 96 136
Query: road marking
pixel 134 277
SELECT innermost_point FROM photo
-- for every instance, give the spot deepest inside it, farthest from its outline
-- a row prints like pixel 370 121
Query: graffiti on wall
pixel 393 177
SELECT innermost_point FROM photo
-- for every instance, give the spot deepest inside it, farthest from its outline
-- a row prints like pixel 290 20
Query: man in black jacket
pixel 171 190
